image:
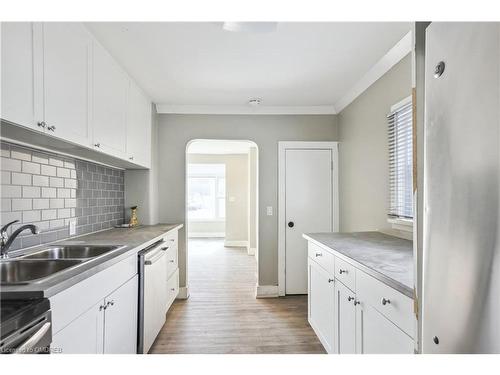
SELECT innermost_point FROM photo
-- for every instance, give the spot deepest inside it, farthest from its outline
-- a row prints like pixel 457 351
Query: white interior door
pixel 308 208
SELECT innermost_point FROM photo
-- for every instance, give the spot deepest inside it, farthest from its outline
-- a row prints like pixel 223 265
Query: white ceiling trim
pixel 245 110
pixel 391 58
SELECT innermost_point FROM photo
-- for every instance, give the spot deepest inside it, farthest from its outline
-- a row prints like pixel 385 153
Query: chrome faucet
pixel 6 240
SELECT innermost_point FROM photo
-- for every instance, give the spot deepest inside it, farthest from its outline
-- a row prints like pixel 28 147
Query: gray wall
pixel 50 190
pixel 363 155
pixel 175 131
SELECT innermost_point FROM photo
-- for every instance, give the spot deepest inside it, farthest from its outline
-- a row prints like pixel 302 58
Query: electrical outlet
pixel 269 210
pixel 72 227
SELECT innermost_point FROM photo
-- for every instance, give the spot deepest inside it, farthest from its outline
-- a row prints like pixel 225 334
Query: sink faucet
pixel 6 240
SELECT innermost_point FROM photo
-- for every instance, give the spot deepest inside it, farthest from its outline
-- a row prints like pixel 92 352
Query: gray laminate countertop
pixel 132 241
pixel 387 258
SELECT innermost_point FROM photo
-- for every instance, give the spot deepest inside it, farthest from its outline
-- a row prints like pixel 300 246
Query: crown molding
pixel 391 58
pixel 245 110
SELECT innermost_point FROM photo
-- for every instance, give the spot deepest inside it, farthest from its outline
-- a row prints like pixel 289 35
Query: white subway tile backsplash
pixel 40 180
pixel 63 172
pixel 21 204
pixel 13 165
pixel 48 192
pixel 30 167
pixel 57 203
pixel 56 161
pixel 6 204
pixel 49 214
pixel 31 216
pixel 11 191
pixel 48 170
pixel 41 203
pixel 31 192
pixel 20 153
pixel 5 178
pixel 21 178
pixel 63 193
pixel 56 182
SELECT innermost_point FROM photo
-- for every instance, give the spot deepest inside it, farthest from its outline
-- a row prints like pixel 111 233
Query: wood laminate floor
pixel 222 314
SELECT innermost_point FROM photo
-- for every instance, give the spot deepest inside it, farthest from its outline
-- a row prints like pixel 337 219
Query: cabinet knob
pixel 42 124
pixel 131 158
pixel 342 271
pixel 385 301
pixel 356 302
pixel 51 128
pixel 97 144
pixel 330 280
pixel 319 254
pixel 172 289
pixel 171 261
pixel 110 303
pixel 350 298
pixel 102 307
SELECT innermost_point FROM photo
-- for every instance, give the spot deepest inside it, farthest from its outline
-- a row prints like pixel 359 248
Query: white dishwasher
pixel 153 294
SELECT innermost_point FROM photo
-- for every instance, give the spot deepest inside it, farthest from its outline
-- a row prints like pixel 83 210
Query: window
pixel 206 192
pixel 400 135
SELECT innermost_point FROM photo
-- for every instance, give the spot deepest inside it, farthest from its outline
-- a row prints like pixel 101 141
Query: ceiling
pixel 200 64
pixel 217 147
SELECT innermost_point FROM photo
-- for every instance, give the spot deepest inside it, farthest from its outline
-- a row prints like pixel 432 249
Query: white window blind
pixel 400 133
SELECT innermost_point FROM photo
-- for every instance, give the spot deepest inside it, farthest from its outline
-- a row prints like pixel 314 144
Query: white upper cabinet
pixel 110 89
pixel 138 127
pixel 66 84
pixel 18 103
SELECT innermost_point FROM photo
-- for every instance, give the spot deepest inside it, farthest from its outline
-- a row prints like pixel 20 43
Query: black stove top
pixel 14 314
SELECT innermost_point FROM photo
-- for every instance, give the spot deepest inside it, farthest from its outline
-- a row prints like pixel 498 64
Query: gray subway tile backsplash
pixel 51 190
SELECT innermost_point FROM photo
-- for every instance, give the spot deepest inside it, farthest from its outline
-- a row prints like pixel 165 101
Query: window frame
pixel 217 196
pixel 402 223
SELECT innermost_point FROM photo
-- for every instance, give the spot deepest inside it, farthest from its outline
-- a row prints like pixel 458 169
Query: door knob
pixel 291 224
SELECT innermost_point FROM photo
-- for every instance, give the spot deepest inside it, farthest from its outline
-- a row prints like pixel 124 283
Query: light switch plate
pixel 72 227
pixel 269 210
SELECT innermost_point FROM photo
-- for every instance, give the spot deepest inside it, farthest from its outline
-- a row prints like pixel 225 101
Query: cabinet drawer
pixel 398 308
pixel 321 256
pixel 172 288
pixel 345 273
pixel 172 262
pixel 172 239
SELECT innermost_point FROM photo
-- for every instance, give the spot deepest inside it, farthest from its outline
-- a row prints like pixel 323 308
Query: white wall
pixel 363 152
pixel 175 131
pixel 252 201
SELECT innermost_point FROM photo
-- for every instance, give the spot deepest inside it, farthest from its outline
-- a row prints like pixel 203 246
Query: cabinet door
pixel 375 334
pixel 18 90
pixel 321 305
pixel 84 335
pixel 138 127
pixel 110 88
pixel 120 319
pixel 345 319
pixel 66 73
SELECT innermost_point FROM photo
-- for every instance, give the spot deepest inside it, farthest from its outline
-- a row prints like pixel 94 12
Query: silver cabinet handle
pixel 51 128
pixel 42 124
pixel 131 158
pixel 110 303
pixel 165 248
pixel 385 301
pixel 29 344
pixel 342 271
pixel 356 302
pixel 350 298
pixel 330 280
pixel 319 254
pixel 97 144
pixel 102 307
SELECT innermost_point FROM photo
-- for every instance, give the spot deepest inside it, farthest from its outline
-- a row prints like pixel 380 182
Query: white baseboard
pixel 266 291
pixel 207 235
pixel 183 292
pixel 251 250
pixel 236 243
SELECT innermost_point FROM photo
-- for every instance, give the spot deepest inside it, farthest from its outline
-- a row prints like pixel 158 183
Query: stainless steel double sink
pixel 45 263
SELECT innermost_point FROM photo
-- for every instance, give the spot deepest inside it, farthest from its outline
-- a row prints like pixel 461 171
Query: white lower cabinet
pixel 321 305
pixel 110 326
pixel 368 317
pixel 120 319
pixel 345 319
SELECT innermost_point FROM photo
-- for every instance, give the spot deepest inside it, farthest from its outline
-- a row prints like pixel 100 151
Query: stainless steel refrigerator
pixel 461 262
